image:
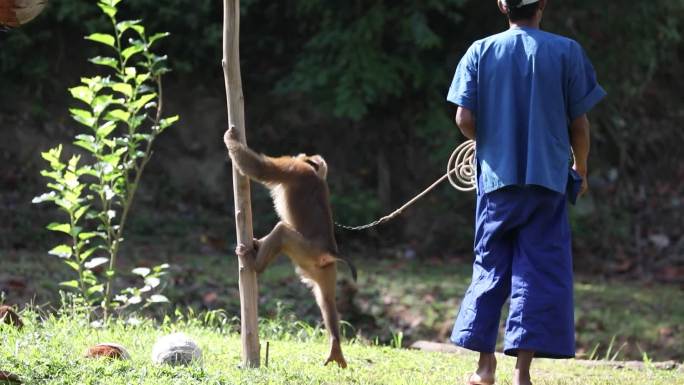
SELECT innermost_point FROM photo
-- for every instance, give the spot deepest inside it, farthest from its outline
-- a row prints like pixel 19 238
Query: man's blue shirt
pixel 525 86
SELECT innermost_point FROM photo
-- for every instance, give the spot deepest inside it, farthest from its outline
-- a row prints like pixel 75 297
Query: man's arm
pixel 580 140
pixel 465 120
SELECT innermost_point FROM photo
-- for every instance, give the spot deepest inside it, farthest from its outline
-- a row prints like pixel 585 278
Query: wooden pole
pixel 243 207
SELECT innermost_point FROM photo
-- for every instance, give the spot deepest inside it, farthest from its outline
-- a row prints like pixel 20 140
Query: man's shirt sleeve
pixel 584 92
pixel 463 90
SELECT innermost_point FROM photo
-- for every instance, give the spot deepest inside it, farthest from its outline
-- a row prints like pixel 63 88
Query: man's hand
pixel 582 170
pixel 580 140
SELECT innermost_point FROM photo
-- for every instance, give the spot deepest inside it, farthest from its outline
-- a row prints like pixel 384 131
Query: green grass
pixel 418 298
pixel 50 351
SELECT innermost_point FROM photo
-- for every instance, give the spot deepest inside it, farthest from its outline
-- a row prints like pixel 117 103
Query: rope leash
pixel 460 173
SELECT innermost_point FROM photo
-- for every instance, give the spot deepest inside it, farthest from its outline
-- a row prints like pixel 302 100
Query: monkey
pixel 305 232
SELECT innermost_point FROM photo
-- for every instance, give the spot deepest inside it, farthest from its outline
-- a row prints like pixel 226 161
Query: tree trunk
pixel 243 208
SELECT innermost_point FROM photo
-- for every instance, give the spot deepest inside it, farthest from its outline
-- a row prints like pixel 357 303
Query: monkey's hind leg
pixel 323 280
pixel 267 248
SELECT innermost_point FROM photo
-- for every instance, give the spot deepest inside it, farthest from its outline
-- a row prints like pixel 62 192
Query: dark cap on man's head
pixel 518 3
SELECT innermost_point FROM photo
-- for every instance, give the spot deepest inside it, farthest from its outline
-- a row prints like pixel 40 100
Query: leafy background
pixel 362 83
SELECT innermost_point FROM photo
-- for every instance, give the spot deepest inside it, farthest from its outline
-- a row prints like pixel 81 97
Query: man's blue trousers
pixel 522 252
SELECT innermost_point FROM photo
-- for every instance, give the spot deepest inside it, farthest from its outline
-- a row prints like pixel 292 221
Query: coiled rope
pixel 460 173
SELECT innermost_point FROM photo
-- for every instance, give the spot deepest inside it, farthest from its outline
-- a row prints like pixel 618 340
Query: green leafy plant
pixel 123 116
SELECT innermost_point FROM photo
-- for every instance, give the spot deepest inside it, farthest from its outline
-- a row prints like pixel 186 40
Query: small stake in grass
pixel 249 331
pixel 268 347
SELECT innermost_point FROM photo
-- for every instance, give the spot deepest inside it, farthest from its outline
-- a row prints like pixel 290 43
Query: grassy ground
pixel 50 351
pixel 615 320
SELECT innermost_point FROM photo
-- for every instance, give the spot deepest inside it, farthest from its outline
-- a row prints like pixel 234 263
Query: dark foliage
pixel 363 83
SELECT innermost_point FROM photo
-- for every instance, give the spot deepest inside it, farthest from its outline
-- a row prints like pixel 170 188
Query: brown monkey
pixel 305 232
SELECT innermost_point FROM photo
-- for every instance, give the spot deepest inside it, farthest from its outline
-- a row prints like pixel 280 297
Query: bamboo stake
pixel 243 208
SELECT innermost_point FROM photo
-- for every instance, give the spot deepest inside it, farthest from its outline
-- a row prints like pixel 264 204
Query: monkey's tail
pixel 351 266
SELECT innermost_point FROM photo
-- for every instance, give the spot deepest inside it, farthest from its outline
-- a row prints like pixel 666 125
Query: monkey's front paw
pixel 243 251
pixel 231 134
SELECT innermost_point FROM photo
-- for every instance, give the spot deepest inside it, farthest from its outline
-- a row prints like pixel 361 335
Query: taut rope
pixel 461 175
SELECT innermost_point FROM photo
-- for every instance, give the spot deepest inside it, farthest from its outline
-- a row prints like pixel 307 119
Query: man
pixel 523 95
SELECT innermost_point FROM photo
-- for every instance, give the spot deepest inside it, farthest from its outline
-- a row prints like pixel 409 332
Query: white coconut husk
pixel 176 349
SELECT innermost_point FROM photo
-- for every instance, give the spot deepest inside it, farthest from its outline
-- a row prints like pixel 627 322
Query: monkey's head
pixel 317 163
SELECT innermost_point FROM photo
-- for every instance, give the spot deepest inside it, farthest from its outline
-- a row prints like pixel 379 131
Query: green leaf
pixel 72 284
pixel 73 163
pixel 158 36
pixel 103 38
pixel 54 175
pixel 142 101
pixel 132 50
pixel 75 231
pixel 139 29
pixel 101 102
pixel 123 26
pixel 88 235
pixel 112 160
pixel 161 268
pixel 104 130
pixel 130 72
pixel 95 262
pixel 141 271
pixel 65 204
pixel 88 146
pixel 137 120
pixel 105 61
pixel 78 214
pixel 62 251
pixel 71 181
pixel 119 115
pixel 82 116
pixel 82 93
pixel 63 227
pixel 72 264
pixel 89 277
pixel 95 289
pixel 46 197
pixel 142 78
pixel 158 298
pixel 123 88
pixel 152 281
pixel 84 255
pixel 165 123
pixel 142 137
pixel 107 9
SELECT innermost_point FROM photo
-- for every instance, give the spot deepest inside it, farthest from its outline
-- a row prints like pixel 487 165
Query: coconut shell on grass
pixel 14 13
pixel 8 316
pixel 7 378
pixel 107 350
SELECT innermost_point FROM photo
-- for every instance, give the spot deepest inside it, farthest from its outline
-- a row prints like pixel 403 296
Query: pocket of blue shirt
pixel 574 185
